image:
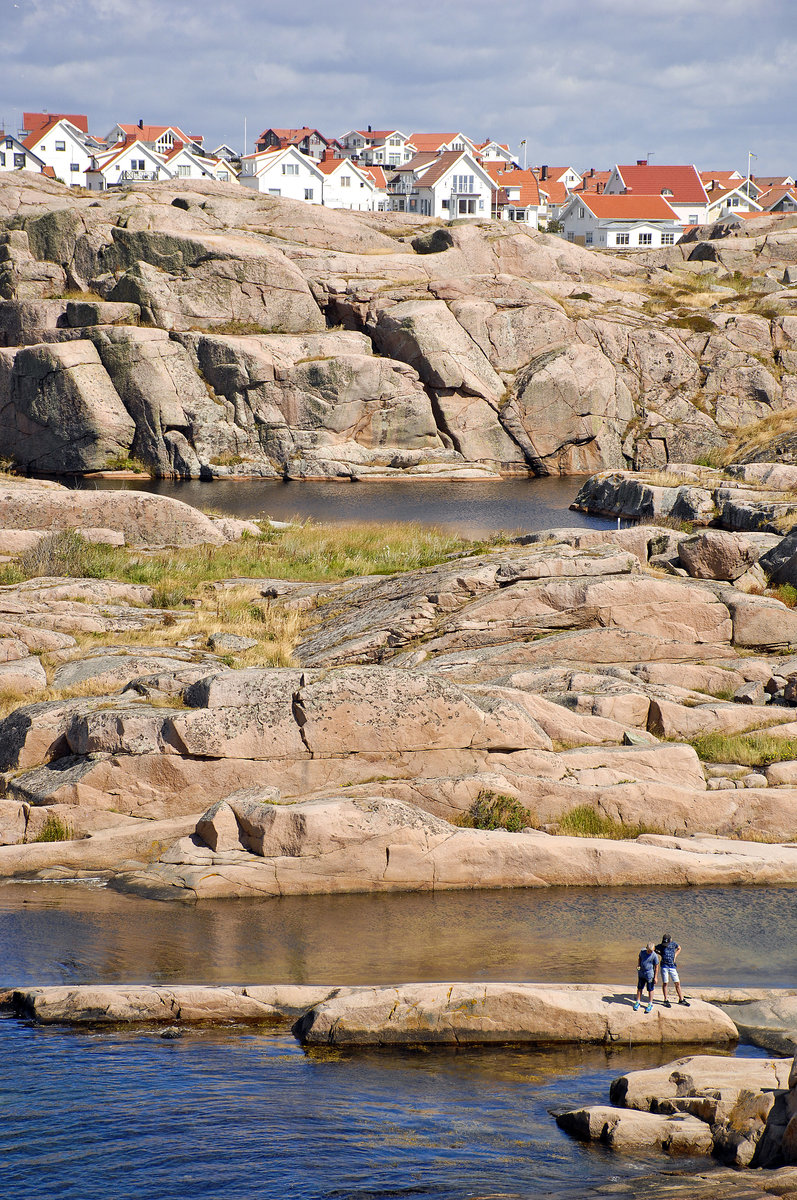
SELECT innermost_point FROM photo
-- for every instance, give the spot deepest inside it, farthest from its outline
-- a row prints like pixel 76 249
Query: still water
pixel 472 507
pixel 231 1113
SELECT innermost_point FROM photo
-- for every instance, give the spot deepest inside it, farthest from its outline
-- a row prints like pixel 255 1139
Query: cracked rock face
pixel 481 348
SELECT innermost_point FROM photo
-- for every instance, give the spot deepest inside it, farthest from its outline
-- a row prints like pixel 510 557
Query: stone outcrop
pixel 740 1110
pixel 497 349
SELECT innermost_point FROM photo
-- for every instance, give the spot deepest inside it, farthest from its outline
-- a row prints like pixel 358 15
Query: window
pixel 481 204
pixel 621 239
pixel 394 142
pixel 646 239
pixel 581 214
pixel 693 218
pixel 395 159
pixel 345 181
pixel 588 238
pixel 74 166
pixel 571 237
pixel 666 192
pixel 60 145
pixel 290 168
pixel 10 144
pixel 463 184
pixel 183 169
pixel 2 159
pixel 308 193
pixel 136 164
pixel 467 204
pixel 19 160
pixel 224 176
pixel 444 203
pixel 274 192
pixel 668 239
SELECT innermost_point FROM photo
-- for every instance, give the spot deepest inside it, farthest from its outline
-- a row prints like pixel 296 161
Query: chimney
pixel 543 173
pixel 641 162
pixel 141 122
pixel 592 172
pixel 369 128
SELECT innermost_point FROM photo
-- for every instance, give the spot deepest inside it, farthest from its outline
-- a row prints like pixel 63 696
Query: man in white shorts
pixel 668 951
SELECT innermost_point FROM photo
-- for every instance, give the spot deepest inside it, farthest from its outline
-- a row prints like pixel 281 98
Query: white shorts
pixel 669 975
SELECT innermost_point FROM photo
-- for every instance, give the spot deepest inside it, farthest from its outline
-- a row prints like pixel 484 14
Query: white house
pixel 681 186
pixel 15 156
pixel 183 162
pixel 441 143
pixel 567 176
pixel 451 185
pixel 161 138
pixel 491 151
pixel 518 197
pixel 723 201
pixel 285 172
pixel 620 222
pixel 347 185
pixel 377 147
pixel 132 162
pixel 64 147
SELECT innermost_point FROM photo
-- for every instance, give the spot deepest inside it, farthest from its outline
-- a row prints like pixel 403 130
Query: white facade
pixel 283 173
pixel 583 227
pixel 453 186
pixel 493 152
pixel 725 203
pixel 382 148
pixel 186 164
pixel 346 186
pixel 134 163
pixel 67 150
pixel 15 156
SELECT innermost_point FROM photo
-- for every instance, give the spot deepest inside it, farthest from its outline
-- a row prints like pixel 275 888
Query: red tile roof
pixel 632 207
pixel 525 180
pixel 151 133
pixel 683 181
pixel 556 192
pixel 591 181
pixel 438 167
pixel 425 142
pixel 774 195
pixel 34 122
pixel 725 179
pixel 377 174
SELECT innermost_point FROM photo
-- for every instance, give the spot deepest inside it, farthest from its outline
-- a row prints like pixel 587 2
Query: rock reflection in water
pixel 51 934
pixel 474 508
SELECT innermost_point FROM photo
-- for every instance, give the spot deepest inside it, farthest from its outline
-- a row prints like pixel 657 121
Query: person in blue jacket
pixel 647 966
pixel 669 951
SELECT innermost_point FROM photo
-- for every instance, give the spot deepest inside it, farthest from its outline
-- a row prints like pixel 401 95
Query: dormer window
pixel 666 192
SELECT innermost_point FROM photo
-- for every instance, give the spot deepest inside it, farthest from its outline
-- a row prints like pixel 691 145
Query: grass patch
pixel 787 594
pixel 584 821
pixel 747 749
pixel 66 553
pixel 54 830
pixel 226 460
pixel 238 328
pixel 126 462
pixel 696 322
pixel 495 810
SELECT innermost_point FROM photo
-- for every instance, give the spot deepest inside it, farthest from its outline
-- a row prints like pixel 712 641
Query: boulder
pixel 629 1131
pixel 532 1014
pixel 715 554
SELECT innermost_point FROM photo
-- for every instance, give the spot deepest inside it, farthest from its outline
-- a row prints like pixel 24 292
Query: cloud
pixel 585 81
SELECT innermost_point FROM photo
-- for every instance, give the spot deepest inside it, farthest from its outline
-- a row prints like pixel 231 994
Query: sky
pixel 586 83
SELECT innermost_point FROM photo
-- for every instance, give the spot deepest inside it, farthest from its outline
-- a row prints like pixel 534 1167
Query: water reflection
pixel 472 507
pixel 742 936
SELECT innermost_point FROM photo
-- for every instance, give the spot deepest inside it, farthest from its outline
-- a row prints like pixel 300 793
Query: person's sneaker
pixel 636 1006
pixel 684 1002
pixel 667 1004
pixel 649 1008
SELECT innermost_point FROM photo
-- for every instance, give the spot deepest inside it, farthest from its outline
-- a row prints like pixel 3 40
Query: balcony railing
pixel 138 176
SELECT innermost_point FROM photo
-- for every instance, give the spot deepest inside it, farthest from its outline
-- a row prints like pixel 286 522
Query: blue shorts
pixel 644 982
pixel 669 975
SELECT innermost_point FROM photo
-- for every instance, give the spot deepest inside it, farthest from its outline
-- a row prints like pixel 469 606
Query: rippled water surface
pixel 232 1113
pixel 473 507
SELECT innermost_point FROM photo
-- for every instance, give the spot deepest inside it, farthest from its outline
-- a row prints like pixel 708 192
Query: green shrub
pixel 495 810
pixel 54 830
pixel 787 594
pixel 68 553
